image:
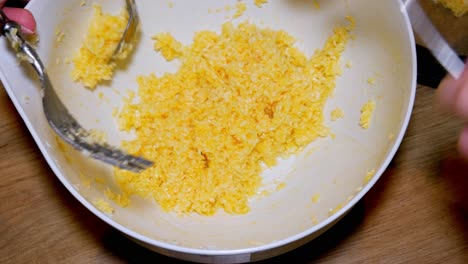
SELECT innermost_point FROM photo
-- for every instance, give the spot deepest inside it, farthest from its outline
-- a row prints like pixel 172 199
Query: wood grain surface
pixel 417 212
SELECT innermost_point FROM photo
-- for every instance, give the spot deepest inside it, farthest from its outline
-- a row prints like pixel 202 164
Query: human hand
pixel 21 16
pixel 452 96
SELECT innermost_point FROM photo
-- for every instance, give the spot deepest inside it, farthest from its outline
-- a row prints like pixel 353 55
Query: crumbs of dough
pixel 367 112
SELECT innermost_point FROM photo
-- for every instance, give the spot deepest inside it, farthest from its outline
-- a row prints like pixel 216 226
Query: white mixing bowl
pixel 333 169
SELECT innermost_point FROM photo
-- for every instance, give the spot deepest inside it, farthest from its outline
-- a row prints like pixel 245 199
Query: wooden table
pixel 417 212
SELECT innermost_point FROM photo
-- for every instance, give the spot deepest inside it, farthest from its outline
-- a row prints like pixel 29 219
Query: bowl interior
pixel 332 170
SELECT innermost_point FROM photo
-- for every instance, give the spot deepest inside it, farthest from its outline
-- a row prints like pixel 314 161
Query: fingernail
pixel 27 30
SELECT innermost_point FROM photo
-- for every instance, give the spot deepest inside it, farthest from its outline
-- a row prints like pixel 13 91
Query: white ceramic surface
pixel 333 168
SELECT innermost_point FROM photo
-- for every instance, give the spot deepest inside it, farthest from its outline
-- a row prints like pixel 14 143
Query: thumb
pixel 22 17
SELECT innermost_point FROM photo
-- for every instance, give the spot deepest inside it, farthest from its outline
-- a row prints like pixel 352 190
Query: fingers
pixel 22 17
pixel 446 93
pixel 452 95
pixel 463 143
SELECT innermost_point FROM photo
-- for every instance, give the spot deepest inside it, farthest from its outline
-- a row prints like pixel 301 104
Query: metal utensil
pixel 130 29
pixel 432 38
pixel 59 118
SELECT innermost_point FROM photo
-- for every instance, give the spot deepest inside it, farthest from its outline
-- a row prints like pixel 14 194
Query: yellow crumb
pixel 169 47
pixel 57 61
pixel 391 136
pixel 83 3
pixel 100 180
pixel 98 135
pixel 228 8
pixel 85 180
pixel 336 114
pixel 369 176
pixel 336 209
pixel 63 147
pixel 349 65
pixel 93 62
pixel 280 186
pixel 316 4
pixel 256 243
pixel 59 36
pixel 314 220
pixel 227 113
pixel 458 7
pixel 371 81
pixel 241 7
pixel 260 3
pixel 352 21
pixel 103 206
pixel 120 199
pixel 316 198
pixel 170 4
pixel 367 111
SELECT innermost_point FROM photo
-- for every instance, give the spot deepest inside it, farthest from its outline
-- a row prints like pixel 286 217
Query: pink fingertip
pixel 22 17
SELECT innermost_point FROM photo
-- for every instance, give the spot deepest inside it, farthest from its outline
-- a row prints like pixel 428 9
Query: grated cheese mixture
pixel 367 111
pixel 240 100
pixel 93 62
pixel 458 7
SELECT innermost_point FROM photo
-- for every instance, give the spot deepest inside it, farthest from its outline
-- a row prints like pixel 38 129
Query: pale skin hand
pixel 22 16
pixel 452 96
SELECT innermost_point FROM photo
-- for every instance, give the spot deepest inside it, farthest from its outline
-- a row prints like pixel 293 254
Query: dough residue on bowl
pixel 240 100
pixel 103 206
pixel 367 111
pixel 260 3
pixel 336 114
